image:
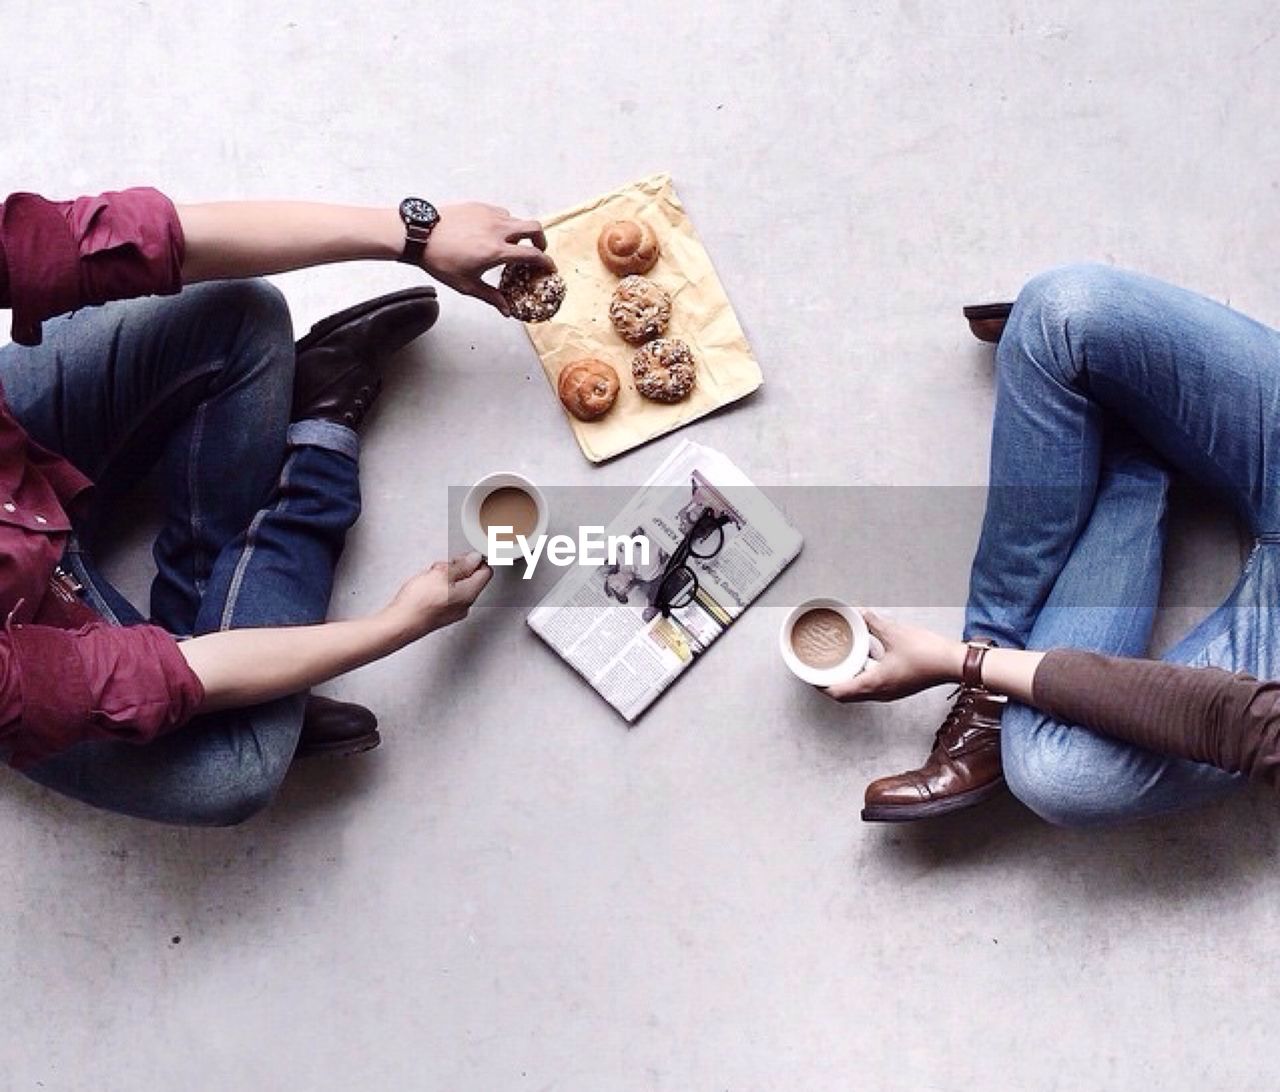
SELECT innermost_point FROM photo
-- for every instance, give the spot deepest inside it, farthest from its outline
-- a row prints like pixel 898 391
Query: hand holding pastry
pixel 472 238
pixel 531 293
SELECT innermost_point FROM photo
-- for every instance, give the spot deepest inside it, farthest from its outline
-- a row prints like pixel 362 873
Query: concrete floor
pixel 515 892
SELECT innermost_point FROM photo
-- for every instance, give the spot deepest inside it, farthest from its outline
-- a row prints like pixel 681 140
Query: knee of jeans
pixel 259 303
pixel 242 797
pixel 257 315
pixel 1046 769
pixel 1059 312
pixel 258 356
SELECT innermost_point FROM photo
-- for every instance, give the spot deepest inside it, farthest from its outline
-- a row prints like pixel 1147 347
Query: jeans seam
pixel 250 542
pixel 194 515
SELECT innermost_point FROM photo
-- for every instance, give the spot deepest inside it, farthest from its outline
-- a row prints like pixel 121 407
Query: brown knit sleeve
pixel 1201 713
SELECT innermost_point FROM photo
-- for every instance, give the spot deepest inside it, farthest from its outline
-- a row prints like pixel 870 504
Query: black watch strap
pixel 415 244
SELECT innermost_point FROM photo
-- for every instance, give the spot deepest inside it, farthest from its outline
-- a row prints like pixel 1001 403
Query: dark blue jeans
pixel 257 511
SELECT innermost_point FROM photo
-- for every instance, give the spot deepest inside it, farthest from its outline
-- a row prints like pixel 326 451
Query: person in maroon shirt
pixel 194 714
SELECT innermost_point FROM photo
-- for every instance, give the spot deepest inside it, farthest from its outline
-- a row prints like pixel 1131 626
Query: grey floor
pixel 515 892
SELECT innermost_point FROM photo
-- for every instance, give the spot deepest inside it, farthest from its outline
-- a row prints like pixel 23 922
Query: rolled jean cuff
pixel 326 434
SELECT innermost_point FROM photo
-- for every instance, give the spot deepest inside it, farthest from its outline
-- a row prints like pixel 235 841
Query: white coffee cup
pixel 846 669
pixel 474 531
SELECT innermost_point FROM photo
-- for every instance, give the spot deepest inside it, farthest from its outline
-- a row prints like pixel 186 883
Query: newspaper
pixel 607 621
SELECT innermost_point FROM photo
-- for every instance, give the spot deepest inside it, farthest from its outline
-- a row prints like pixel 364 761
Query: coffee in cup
pixel 824 641
pixel 821 638
pixel 509 506
pixel 504 499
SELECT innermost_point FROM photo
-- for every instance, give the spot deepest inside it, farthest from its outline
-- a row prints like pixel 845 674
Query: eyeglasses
pixel 679 583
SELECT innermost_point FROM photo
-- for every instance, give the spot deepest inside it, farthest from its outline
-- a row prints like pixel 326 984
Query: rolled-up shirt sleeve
pixel 61 255
pixel 59 687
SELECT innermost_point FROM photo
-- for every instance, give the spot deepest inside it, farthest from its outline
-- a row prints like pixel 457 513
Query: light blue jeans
pixel 1106 383
pixel 256 513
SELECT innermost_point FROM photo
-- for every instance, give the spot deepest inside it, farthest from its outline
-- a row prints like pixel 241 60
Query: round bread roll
pixel 664 370
pixel 588 388
pixel 628 247
pixel 534 295
pixel 640 310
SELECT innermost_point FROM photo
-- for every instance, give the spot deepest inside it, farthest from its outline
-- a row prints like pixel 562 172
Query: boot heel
pixel 987 320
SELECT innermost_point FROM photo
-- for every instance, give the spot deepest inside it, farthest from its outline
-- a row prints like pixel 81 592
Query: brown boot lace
pixel 963 696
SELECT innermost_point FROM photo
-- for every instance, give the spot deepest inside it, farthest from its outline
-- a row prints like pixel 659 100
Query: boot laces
pixel 963 697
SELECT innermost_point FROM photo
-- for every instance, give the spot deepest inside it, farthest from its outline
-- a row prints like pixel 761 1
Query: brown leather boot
pixel 963 768
pixel 336 728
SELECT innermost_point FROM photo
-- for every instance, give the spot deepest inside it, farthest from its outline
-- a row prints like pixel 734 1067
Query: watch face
pixel 416 211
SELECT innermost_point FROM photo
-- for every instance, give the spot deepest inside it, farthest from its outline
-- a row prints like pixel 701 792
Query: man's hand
pixel 240 667
pixel 471 239
pixel 438 596
pixel 909 659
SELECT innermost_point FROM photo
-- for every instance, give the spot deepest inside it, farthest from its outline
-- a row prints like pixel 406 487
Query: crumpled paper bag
pixel 701 315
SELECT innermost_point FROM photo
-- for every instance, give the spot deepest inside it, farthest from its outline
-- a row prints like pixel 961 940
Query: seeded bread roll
pixel 588 388
pixel 533 294
pixel 640 310
pixel 664 370
pixel 627 247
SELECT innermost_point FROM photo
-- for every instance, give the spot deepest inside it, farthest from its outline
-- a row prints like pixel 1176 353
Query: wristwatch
pixel 971 671
pixel 420 218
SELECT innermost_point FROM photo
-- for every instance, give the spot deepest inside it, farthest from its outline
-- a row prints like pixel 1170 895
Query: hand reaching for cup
pixel 438 596
pixel 473 238
pixel 905 659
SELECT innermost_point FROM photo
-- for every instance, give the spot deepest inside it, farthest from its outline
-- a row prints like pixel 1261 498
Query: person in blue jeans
pixel 255 438
pixel 1107 382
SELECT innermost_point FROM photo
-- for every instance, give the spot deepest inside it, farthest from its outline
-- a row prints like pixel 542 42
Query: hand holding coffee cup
pixel 824 641
pixel 911 658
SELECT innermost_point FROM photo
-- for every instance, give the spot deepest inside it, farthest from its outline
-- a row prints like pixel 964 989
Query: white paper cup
pixel 847 668
pixel 472 529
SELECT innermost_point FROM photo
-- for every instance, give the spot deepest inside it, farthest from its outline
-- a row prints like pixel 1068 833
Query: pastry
pixel 534 295
pixel 640 310
pixel 628 247
pixel 587 388
pixel 664 370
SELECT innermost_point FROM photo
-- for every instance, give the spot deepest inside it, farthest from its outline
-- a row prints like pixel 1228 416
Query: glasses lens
pixel 708 543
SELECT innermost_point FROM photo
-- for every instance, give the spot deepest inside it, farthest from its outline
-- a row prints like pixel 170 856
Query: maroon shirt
pixel 65 674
